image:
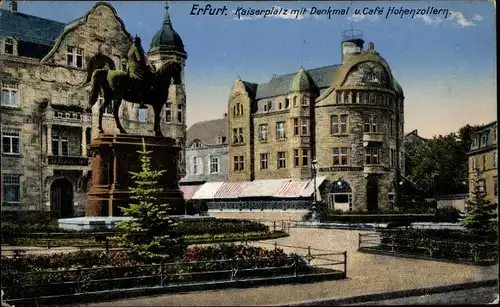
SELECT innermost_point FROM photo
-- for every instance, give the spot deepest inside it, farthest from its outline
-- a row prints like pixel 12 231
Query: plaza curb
pixel 380 296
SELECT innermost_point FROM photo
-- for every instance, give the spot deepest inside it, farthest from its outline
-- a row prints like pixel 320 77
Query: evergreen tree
pixel 151 234
pixel 480 212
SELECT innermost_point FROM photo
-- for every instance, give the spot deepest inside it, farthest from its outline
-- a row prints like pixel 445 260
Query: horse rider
pixel 138 70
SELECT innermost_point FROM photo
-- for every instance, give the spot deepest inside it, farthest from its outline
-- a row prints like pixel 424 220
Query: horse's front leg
pixel 102 107
pixel 157 109
pixel 116 109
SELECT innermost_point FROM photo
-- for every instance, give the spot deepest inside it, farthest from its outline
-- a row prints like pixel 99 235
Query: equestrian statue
pixel 140 84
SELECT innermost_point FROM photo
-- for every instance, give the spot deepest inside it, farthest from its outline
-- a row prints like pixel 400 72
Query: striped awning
pixel 231 189
pixel 189 190
pixel 263 188
pixel 207 190
pixel 309 188
pixel 291 188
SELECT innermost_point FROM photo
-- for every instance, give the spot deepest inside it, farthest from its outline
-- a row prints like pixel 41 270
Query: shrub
pixel 219 226
pixel 447 214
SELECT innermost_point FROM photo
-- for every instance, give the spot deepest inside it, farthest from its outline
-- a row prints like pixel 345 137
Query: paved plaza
pixel 366 274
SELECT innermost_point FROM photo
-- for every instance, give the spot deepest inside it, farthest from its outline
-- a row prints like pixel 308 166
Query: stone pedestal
pixel 114 157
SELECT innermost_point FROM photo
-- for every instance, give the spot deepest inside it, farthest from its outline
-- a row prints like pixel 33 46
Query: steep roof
pixel 28 28
pixel 207 131
pixel 302 81
pixel 281 85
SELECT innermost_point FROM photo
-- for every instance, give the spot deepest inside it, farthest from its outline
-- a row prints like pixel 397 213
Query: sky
pixel 445 63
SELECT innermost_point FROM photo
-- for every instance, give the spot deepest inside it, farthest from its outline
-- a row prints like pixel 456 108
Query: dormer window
pixel 74 57
pixel 484 139
pixel 295 101
pixel 267 106
pixel 280 105
pixel 9 46
pixel 287 103
pixel 370 77
pixel 196 145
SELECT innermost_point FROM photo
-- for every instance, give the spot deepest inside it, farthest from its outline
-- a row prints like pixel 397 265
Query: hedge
pixel 120 264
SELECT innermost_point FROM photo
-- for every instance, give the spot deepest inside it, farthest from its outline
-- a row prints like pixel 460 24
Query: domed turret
pixel 302 82
pixel 166 39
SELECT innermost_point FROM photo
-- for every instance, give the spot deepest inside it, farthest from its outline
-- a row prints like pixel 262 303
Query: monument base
pixel 114 157
pixel 108 223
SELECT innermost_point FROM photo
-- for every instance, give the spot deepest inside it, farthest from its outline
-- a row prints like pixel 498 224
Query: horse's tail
pixel 96 85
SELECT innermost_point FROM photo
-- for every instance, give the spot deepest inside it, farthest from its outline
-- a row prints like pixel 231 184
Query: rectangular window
pixel 336 156
pixel 10 94
pixel 494 133
pixel 495 159
pixel 263 132
pixel 238 163
pixel 343 124
pixel 346 97
pixel 9 46
pixel 59 145
pixel 371 124
pixel 473 163
pixel 305 101
pixel 338 98
pixel 392 158
pixel 240 136
pixel 287 103
pixel 214 165
pixel 304 125
pixel 168 112
pixel 305 157
pixel 280 130
pixel 74 57
pixel 484 162
pixel 295 126
pixel 11 188
pixel 264 161
pixel 391 127
pixel 495 186
pixel 180 113
pixel 343 156
pixel 141 115
pixel 235 136
pixel 484 139
pixel 281 159
pixel 296 158
pixel 335 124
pixel 372 155
pixel 11 142
pixel 195 165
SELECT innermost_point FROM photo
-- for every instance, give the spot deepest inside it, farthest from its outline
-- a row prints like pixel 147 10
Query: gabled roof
pixel 281 85
pixel 28 28
pixel 207 131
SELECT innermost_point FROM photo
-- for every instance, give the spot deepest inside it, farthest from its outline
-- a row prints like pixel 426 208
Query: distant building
pixel 45 128
pixel 483 157
pixel 349 117
pixel 413 137
pixel 206 152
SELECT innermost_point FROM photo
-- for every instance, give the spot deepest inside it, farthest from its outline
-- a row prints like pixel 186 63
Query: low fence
pixel 393 242
pixel 307 264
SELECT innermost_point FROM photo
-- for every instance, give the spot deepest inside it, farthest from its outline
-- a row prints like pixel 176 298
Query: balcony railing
pixel 67 160
pixel 374 169
pixel 372 138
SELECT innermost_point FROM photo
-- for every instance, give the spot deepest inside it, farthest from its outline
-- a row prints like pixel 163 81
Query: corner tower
pixel 167 45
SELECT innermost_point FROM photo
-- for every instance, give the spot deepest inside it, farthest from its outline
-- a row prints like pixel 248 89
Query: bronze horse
pixel 117 85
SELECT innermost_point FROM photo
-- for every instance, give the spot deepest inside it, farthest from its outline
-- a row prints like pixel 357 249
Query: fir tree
pixel 151 234
pixel 480 211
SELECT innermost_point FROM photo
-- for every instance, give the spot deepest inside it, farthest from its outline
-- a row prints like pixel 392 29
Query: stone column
pixel 84 141
pixel 49 140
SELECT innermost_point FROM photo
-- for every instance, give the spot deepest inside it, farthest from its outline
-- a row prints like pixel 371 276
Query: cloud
pixel 428 20
pixel 453 17
pixel 359 17
pixel 284 14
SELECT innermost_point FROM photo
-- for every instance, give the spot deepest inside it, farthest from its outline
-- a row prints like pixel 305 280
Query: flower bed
pixel 441 244
pixel 94 271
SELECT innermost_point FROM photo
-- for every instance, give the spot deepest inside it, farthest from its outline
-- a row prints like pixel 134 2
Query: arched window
pixel 340 196
pixel 235 113
pixel 241 109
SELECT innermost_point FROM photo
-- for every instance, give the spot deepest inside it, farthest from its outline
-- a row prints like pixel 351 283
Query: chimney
pixel 225 115
pixel 13 6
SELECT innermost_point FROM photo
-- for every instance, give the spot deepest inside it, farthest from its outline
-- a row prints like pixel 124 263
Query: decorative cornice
pixel 82 21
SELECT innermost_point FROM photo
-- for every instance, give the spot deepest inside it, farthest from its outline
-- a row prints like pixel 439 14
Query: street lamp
pixel 313 207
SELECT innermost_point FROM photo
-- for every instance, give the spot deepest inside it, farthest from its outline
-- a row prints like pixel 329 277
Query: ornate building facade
pixel 45 126
pixel 348 118
pixel 483 159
